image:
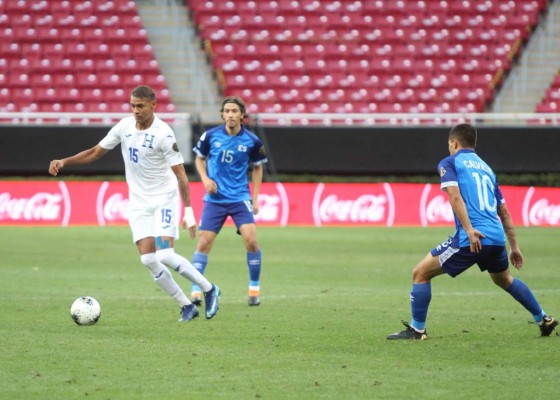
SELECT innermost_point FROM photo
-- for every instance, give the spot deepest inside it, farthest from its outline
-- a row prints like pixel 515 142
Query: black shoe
pixel 409 333
pixel 196 298
pixel 547 326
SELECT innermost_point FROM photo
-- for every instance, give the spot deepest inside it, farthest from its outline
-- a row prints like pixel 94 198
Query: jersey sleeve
pixel 258 153
pixel 113 138
pixel 447 173
pixel 202 147
pixel 171 150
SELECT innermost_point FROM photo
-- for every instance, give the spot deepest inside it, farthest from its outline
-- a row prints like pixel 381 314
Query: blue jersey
pixel 227 162
pixel 481 194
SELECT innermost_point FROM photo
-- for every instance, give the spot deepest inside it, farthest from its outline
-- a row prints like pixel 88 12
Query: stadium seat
pixel 403 49
pixel 67 48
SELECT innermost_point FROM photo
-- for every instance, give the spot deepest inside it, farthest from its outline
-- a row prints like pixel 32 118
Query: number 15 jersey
pixel 481 194
pixel 227 162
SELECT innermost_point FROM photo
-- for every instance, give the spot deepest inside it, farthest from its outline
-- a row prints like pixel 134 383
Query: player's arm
pixel 458 205
pixel 257 176
pixel 188 220
pixel 82 158
pixel 209 185
pixel 515 255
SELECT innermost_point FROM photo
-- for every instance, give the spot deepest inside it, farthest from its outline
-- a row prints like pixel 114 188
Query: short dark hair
pixel 144 92
pixel 235 100
pixel 465 135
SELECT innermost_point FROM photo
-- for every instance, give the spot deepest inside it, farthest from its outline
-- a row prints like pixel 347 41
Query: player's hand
pixel 189 222
pixel 210 186
pixel 55 166
pixel 255 207
pixel 516 258
pixel 474 239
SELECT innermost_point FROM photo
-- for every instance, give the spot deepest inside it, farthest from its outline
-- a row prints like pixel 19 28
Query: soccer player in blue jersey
pixel 482 223
pixel 223 157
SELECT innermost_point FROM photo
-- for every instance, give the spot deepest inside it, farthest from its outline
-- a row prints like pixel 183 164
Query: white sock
pixel 183 267
pixel 164 278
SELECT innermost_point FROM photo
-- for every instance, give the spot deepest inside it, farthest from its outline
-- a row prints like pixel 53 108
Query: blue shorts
pixel 214 215
pixel 455 260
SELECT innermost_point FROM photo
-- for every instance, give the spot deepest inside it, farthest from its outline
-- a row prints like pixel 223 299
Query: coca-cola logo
pixel 274 206
pixel 539 211
pixel 43 206
pixel 111 207
pixel 434 209
pixel 365 208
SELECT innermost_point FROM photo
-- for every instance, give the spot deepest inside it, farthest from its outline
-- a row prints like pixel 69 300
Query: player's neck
pixel 142 126
pixel 233 131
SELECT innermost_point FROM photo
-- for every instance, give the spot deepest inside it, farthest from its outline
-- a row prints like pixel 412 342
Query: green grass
pixel 330 296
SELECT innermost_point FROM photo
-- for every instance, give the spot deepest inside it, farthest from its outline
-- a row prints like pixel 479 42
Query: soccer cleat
pixel 212 298
pixel 547 325
pixel 196 298
pixel 254 297
pixel 188 313
pixel 254 300
pixel 409 333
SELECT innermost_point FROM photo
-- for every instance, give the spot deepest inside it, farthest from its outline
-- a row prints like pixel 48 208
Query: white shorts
pixel 158 216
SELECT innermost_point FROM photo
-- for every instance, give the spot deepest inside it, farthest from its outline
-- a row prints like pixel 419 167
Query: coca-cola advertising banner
pixel 62 203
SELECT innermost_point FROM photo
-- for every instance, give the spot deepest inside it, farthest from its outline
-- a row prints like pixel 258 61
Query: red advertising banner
pixel 49 203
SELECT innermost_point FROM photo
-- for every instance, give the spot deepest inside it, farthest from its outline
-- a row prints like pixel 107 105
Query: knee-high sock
pixel 183 267
pixel 199 261
pixel 254 262
pixel 521 292
pixel 420 298
pixel 164 278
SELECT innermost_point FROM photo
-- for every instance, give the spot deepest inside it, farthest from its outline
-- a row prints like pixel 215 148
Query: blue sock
pixel 521 292
pixel 199 261
pixel 254 261
pixel 420 298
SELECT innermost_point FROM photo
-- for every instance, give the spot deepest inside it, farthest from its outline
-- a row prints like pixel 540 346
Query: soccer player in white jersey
pixel 154 170
pixel 223 157
pixel 482 223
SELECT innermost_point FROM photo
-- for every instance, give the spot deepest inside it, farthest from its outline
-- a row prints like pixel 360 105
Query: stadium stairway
pixel 182 61
pixel 540 62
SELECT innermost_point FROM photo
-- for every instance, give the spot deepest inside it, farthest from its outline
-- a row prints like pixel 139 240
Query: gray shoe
pixel 254 300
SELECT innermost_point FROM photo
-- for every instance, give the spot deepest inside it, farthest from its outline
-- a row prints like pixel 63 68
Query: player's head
pixel 462 136
pixel 144 92
pixel 234 100
pixel 143 103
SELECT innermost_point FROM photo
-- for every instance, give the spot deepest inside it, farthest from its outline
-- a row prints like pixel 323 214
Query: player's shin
pixel 420 298
pixel 164 278
pixel 183 267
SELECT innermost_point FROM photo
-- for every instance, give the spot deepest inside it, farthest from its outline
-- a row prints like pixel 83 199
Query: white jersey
pixel 148 156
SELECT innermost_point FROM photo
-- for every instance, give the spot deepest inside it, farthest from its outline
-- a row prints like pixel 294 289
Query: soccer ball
pixel 85 310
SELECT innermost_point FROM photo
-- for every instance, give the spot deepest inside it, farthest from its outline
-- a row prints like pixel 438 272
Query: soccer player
pixel 482 223
pixel 154 167
pixel 223 156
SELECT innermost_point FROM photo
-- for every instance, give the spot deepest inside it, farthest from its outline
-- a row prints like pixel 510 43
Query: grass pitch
pixel 330 297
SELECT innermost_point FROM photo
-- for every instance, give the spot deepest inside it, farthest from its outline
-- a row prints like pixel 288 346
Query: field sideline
pixel 330 296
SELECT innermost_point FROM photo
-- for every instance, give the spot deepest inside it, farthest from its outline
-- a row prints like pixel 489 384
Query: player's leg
pixel 211 222
pixel 521 292
pixel 166 222
pixel 164 279
pixel 421 292
pixel 242 214
pixel 200 260
pixel 141 221
pixel 254 262
pixel 444 258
